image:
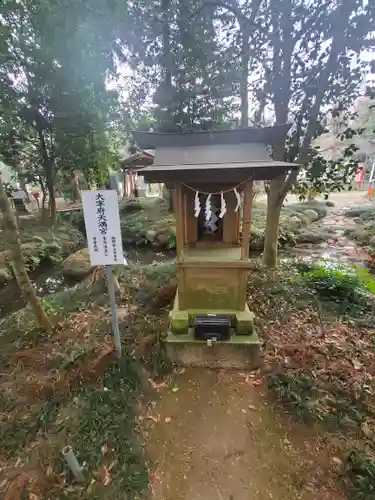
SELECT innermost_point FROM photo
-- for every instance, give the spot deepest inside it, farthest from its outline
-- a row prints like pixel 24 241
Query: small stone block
pixel 244 323
pixel 179 322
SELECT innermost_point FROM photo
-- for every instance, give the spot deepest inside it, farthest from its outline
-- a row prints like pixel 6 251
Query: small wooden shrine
pixel 212 174
pixel 131 166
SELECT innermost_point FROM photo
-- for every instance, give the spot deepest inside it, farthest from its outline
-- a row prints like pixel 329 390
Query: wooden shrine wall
pixel 230 219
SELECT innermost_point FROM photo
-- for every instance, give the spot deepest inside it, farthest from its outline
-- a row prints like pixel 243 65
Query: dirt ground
pixel 215 436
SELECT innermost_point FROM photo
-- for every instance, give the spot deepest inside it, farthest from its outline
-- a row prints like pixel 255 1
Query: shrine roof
pixel 267 135
pixel 138 159
pixel 242 151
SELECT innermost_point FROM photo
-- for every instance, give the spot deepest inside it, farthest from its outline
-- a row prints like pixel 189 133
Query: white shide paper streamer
pixel 197 205
pixel 208 210
pixel 237 194
pixel 223 207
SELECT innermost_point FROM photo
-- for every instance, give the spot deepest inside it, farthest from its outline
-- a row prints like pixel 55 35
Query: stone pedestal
pixel 242 351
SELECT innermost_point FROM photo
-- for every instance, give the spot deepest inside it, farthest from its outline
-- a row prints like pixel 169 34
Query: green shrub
pixel 361 211
pixel 338 281
pixel 256 239
pixel 131 206
pixel 140 230
pixel 75 218
pixel 307 236
pixel 159 273
pixel 320 207
pixel 333 282
pixel 359 470
pixel 134 231
pixel 295 392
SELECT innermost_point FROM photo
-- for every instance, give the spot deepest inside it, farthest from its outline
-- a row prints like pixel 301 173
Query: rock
pixel 311 214
pixel 5 275
pixel 78 264
pixel 162 239
pixel 360 234
pixel 303 218
pixel 151 235
pixel 359 210
pixel 294 223
pixel 306 236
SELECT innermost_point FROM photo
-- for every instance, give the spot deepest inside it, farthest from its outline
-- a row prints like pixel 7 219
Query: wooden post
pixel 179 210
pixel 246 219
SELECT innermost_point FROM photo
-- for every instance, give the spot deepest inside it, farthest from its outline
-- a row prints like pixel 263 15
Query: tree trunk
pixel 51 200
pixel 24 187
pixel 274 204
pixel 244 92
pixel 76 193
pixel 18 263
pixel 43 206
pixel 124 194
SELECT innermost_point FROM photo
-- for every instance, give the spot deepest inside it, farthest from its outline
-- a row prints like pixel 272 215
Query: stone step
pixel 241 352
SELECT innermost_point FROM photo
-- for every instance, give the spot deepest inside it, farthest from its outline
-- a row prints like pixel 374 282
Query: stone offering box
pixel 211 176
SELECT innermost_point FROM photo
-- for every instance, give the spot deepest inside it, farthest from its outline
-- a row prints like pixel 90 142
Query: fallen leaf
pixel 336 461
pixel 252 407
pixel 167 419
pixel 357 364
pixel 175 389
pixel 32 496
pixel 156 386
pixel 104 449
pixel 156 420
pixel 180 371
pixel 366 430
pixel 244 411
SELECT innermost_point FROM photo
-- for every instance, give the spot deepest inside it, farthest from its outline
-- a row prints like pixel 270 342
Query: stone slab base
pixel 240 352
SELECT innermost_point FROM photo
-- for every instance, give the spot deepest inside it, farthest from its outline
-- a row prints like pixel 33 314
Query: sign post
pixel 102 221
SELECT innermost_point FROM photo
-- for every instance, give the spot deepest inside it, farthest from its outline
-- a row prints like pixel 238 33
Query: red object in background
pixel 359 175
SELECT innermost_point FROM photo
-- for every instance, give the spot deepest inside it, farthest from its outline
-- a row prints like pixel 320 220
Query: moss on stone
pixel 179 322
pixel 244 323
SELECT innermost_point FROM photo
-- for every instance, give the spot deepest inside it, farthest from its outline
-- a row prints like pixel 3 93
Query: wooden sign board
pixel 102 221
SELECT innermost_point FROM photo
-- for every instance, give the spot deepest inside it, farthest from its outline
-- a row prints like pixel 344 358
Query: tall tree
pixel 18 264
pixel 307 59
pixel 55 60
pixel 310 68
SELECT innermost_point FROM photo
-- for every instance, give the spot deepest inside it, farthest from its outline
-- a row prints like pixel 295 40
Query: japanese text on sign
pixel 102 221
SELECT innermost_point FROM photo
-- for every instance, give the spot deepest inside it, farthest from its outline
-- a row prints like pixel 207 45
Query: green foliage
pixel 347 287
pixel 326 176
pixel 359 471
pixel 197 82
pixel 320 207
pixel 365 212
pixel 159 273
pixel 295 392
pixel 142 228
pixel 134 231
pixel 131 206
pixel 75 218
pixel 16 433
pixel 302 394
pixel 107 418
pixel 334 282
pixel 51 306
pixel 56 110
